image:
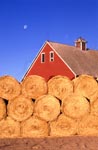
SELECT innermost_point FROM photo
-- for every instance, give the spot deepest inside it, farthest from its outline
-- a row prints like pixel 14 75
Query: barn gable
pixel 49 63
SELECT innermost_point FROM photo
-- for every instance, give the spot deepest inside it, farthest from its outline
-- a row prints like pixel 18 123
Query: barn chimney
pixel 81 43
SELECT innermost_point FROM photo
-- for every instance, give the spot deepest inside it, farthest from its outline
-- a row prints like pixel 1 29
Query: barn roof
pixel 81 62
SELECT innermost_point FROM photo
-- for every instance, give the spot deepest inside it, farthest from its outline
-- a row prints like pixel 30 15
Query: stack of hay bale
pixel 59 107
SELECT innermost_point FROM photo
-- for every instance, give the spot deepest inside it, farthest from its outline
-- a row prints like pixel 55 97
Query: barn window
pixel 42 57
pixel 51 56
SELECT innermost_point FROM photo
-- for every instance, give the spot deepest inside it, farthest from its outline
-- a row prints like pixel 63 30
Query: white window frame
pixel 51 58
pixel 42 54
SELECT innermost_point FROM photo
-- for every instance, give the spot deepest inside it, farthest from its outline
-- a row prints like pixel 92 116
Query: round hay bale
pixel 74 80
pixel 94 108
pixel 87 86
pixel 63 126
pixel 20 108
pixel 47 107
pixel 88 126
pixel 34 86
pixel 2 109
pixel 34 127
pixel 75 106
pixel 60 86
pixel 9 128
pixel 9 87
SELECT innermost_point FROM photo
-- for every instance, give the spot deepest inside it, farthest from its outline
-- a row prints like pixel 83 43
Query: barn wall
pixel 49 69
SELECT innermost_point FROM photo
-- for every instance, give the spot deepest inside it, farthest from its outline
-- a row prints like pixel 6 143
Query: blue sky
pixel 55 20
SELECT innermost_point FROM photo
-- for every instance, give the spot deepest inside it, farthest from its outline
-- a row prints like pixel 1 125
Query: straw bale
pixel 34 127
pixel 47 107
pixel 9 87
pixel 20 108
pixel 75 106
pixel 87 86
pixel 74 80
pixel 34 86
pixel 63 126
pixel 9 128
pixel 88 125
pixel 94 108
pixel 60 86
pixel 2 109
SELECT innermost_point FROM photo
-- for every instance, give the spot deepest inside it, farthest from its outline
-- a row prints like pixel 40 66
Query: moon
pixel 25 26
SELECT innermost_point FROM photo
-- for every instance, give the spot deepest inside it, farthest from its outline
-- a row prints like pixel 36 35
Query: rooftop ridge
pixel 72 46
pixel 63 44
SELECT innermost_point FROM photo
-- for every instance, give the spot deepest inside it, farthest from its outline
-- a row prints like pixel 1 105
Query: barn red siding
pixel 49 69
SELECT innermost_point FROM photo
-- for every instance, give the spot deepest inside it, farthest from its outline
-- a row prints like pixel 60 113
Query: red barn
pixel 60 59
